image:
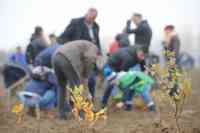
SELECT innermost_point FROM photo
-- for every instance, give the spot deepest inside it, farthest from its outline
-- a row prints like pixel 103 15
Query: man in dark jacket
pixel 84 28
pixel 143 32
pixel 126 58
pixel 73 63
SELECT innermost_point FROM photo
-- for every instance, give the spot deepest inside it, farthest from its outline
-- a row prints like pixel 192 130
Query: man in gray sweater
pixel 73 63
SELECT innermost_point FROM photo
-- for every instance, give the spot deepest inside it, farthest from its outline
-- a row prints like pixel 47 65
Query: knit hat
pixel 112 77
pixel 109 74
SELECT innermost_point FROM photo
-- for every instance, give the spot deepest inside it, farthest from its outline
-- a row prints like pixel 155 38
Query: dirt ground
pixel 117 122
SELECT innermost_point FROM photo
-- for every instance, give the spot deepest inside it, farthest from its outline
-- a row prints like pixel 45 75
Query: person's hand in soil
pixel 31 112
pixel 119 105
pixel 49 114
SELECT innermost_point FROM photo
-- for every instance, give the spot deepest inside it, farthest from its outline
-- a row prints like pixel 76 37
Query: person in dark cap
pixel 121 41
pixel 126 58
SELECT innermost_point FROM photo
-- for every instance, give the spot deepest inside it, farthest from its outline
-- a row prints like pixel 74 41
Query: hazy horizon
pixel 19 17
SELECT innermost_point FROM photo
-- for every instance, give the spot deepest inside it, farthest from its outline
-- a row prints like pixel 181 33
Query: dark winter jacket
pixel 123 40
pixel 143 35
pixel 124 59
pixel 36 45
pixel 78 30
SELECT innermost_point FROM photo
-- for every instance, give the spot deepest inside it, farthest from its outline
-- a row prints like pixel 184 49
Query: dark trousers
pixel 92 84
pixel 107 94
pixel 66 75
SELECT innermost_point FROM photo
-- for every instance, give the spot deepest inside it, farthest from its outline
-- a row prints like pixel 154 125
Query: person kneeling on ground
pixel 40 90
pixel 126 85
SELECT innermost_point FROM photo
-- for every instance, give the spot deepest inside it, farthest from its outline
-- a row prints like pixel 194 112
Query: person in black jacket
pixel 37 44
pixel 123 40
pixel 143 32
pixel 126 58
pixel 84 28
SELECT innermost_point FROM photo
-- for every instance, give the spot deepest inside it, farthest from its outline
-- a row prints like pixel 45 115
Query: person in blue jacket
pixel 44 57
pixel 18 57
pixel 40 90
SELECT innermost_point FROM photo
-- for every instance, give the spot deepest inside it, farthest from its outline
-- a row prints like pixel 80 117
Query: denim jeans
pixel 106 95
pixel 48 100
pixel 128 96
pixel 136 67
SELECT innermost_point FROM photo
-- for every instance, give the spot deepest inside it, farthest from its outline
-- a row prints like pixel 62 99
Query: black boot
pixel 152 108
pixel 128 107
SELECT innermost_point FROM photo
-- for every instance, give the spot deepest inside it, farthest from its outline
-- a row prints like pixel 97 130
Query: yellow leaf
pixel 82 104
pixel 18 108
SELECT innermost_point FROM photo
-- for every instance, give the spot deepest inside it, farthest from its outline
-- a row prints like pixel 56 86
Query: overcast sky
pixel 19 17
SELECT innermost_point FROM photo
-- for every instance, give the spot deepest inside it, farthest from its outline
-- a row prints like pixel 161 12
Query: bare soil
pixel 117 122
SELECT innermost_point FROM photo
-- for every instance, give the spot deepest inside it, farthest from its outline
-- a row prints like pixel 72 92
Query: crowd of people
pixel 71 60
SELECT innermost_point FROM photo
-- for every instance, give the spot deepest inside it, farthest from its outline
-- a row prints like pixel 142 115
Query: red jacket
pixel 114 47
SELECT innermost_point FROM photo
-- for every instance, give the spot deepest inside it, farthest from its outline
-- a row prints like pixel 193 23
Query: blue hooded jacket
pixel 44 57
pixel 40 87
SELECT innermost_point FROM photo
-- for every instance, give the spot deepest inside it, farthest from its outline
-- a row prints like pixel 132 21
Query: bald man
pixel 83 28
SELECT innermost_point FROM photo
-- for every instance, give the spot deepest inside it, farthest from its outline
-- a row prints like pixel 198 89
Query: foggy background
pixel 19 17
